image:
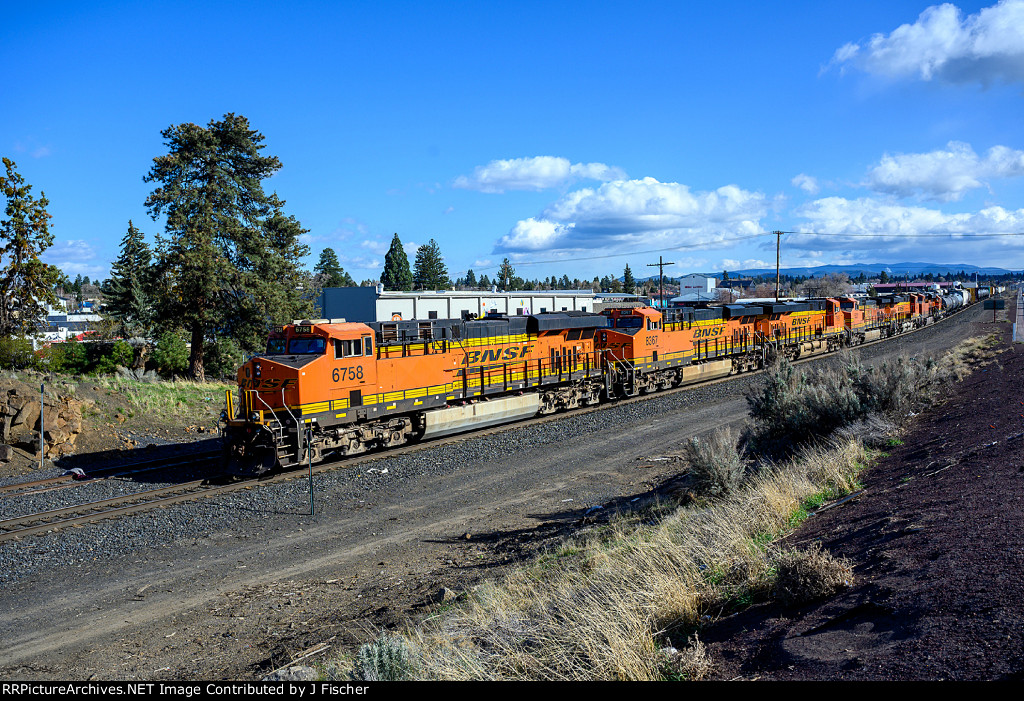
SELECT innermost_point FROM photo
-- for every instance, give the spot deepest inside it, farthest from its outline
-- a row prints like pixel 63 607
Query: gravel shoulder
pixel 233 587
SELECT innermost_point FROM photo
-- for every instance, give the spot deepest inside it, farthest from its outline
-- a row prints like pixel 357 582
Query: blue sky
pixel 573 138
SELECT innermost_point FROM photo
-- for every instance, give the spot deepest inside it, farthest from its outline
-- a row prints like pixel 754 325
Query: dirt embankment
pixel 936 547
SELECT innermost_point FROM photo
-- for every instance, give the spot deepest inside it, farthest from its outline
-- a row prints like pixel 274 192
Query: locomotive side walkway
pixel 935 540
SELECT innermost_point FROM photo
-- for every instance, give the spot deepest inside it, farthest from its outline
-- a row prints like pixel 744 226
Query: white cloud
pixel 943 175
pixel 631 213
pixel 943 45
pixel 885 229
pixel 75 257
pixel 538 173
pixel 733 264
pixel 806 183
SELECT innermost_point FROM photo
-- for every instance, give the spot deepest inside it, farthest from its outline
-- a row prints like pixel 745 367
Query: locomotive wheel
pixel 256 463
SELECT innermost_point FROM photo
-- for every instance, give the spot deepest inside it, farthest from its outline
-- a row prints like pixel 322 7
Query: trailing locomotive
pixel 328 386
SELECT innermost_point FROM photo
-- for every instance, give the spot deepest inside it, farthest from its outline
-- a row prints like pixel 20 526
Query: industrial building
pixel 363 304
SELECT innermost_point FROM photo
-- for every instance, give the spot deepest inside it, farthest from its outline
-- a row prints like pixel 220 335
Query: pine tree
pixel 26 283
pixel 329 271
pixel 628 283
pixel 471 279
pixel 430 272
pixel 129 302
pixel 506 274
pixel 227 264
pixel 396 274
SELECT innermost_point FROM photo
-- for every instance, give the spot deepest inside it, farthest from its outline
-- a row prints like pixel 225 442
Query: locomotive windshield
pixel 629 322
pixel 276 346
pixel 307 346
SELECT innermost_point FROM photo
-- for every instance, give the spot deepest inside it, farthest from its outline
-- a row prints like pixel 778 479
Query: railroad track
pixel 72 480
pixel 55 519
pixel 47 521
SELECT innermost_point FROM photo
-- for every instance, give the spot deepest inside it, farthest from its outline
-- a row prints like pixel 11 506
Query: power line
pixel 902 236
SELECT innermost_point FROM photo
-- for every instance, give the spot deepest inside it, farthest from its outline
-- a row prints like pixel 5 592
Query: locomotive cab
pixel 282 391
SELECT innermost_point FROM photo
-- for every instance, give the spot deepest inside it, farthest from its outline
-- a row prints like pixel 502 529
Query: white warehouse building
pixel 362 304
pixel 696 283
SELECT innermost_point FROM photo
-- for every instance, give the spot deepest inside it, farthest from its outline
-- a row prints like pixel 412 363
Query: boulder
pixel 6 453
pixel 28 414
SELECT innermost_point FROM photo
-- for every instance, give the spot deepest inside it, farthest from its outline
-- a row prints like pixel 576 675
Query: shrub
pixel 715 464
pixel 171 354
pixel 808 575
pixel 222 358
pixel 388 659
pixel 16 353
pixel 119 354
pixel 791 408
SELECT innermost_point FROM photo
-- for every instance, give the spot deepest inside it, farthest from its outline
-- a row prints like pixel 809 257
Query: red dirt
pixel 935 540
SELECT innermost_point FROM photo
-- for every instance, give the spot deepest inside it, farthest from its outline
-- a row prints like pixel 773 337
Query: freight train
pixel 328 387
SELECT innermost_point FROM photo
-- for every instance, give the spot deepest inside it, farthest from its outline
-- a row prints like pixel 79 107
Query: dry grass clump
pixel 716 465
pixel 962 360
pixel 692 663
pixel 803 576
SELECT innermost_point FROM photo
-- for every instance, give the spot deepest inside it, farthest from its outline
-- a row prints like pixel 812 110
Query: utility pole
pixel 778 277
pixel 660 265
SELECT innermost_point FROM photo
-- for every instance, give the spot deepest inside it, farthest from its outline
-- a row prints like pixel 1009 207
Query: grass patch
pixel 177 399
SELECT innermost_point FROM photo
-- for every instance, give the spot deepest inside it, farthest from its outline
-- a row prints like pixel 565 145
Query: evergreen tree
pixel 883 278
pixel 26 283
pixel 227 262
pixel 329 271
pixel 128 299
pixel 471 279
pixel 396 275
pixel 506 274
pixel 485 282
pixel 628 283
pixel 430 272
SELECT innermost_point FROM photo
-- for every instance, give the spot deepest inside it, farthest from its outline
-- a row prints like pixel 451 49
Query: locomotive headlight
pixel 254 417
pixel 223 414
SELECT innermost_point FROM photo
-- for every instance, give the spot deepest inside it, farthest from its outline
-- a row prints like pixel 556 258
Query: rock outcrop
pixel 20 414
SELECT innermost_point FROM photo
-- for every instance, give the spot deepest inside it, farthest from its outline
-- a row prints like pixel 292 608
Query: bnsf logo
pixel 266 384
pixel 492 356
pixel 709 332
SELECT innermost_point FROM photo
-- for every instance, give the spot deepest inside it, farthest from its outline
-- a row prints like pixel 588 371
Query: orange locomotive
pixel 647 349
pixel 329 386
pixel 348 387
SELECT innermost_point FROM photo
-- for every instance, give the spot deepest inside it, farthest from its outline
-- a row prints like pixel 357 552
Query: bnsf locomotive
pixel 328 386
